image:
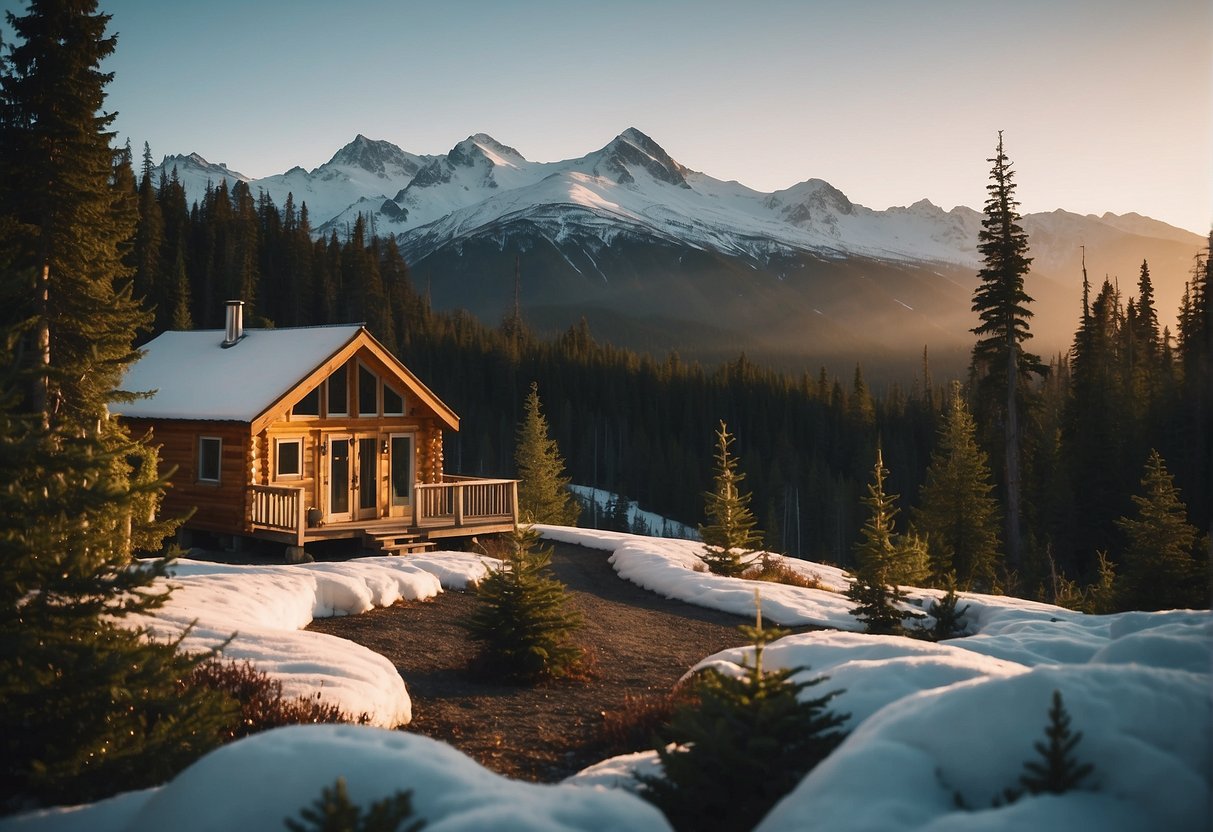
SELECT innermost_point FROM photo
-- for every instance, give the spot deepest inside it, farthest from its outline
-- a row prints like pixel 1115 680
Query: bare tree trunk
pixel 1011 437
pixel 40 398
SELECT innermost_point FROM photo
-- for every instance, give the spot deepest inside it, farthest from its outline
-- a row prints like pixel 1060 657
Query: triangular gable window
pixel 338 392
pixel 393 402
pixel 309 405
pixel 368 392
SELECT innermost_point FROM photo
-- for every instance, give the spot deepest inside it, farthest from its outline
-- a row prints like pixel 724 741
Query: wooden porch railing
pixel 279 508
pixel 461 501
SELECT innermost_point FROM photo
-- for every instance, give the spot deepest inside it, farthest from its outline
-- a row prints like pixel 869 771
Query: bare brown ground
pixel 639 644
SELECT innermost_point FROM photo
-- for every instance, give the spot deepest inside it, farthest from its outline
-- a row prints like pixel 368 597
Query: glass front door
pixel 402 473
pixel 368 477
pixel 340 472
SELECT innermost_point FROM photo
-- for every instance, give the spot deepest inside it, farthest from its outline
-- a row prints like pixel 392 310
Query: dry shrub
pixel 779 573
pixel 262 703
pixel 634 726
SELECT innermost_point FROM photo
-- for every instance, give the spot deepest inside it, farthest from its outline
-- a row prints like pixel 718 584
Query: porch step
pixel 395 542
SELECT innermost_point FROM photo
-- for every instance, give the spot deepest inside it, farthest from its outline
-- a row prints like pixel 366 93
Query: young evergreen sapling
pixel 333 811
pixel 884 560
pixel 543 493
pixel 1057 771
pixel 730 539
pixel 523 622
pixel 750 739
pixel 949 621
pixel 1158 571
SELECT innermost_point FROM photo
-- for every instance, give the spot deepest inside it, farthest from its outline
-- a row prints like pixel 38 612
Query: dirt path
pixel 641 644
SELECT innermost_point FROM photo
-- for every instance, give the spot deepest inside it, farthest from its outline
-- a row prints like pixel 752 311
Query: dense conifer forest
pixel 643 426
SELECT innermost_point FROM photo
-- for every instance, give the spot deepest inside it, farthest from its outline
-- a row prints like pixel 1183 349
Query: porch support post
pixel 300 518
pixel 458 503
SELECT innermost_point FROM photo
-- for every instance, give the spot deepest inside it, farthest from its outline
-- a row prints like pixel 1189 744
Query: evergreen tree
pixel 616 512
pixel 1000 365
pixel 65 288
pixel 861 407
pixel 1193 458
pixel 957 513
pixel 543 493
pixel 884 561
pixel 522 621
pixel 1148 334
pixel 333 811
pixel 730 540
pixel 1158 571
pixel 1057 772
pixel 1098 423
pixel 949 621
pixel 881 553
pixel 149 240
pixel 181 319
pixel 747 743
pixel 87 707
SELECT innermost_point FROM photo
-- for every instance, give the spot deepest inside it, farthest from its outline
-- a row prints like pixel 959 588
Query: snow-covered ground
pixel 930 723
pixel 598 502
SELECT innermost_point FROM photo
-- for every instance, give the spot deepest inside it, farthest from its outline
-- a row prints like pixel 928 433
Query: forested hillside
pixel 643 426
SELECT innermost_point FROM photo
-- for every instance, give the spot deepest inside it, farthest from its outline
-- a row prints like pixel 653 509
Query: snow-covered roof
pixel 195 378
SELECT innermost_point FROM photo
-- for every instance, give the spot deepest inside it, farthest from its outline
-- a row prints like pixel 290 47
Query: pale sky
pixel 1107 105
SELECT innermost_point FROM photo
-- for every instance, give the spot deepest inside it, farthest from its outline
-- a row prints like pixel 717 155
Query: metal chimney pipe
pixel 234 323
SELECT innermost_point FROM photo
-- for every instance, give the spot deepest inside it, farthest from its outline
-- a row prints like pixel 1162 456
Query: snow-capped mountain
pixel 646 247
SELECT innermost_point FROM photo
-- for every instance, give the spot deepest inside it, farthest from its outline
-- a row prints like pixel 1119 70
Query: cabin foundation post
pixel 297 554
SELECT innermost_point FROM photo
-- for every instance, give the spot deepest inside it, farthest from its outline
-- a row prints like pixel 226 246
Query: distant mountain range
pixel 658 257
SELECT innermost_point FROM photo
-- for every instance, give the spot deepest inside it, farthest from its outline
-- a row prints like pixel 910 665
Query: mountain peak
pixel 484 146
pixel 634 135
pixel 195 161
pixel 632 148
pixel 372 155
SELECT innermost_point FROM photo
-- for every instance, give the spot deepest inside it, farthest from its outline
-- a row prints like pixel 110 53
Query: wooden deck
pixel 456 507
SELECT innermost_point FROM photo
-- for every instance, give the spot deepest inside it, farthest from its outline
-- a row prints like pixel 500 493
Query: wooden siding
pixel 218 507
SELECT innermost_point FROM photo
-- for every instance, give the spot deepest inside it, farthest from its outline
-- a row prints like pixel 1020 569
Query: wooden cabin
pixel 304 434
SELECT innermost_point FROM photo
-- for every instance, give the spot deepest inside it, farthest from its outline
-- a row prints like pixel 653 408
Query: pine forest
pixel 643 426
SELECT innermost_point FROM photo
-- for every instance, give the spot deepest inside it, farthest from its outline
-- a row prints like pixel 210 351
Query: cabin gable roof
pixel 256 380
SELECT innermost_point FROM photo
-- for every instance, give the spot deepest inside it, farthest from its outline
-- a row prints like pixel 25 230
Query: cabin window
pixel 368 390
pixel 288 458
pixel 393 402
pixel 210 449
pixel 339 392
pixel 402 469
pixel 309 405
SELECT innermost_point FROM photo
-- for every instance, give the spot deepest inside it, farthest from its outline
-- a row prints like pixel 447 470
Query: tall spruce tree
pixel 87 707
pixel 66 287
pixel 1000 366
pixel 543 492
pixel 1194 460
pixel 149 278
pixel 956 512
pixel 1097 423
pixel 730 539
pixel 1157 570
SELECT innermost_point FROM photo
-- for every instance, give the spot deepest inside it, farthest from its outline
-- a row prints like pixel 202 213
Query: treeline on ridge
pixel 644 426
